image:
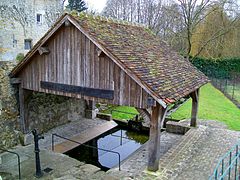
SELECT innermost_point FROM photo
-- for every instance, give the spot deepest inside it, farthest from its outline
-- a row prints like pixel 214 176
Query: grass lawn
pixel 121 115
pixel 214 106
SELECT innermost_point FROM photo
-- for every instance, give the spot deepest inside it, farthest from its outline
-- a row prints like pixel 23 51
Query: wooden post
pixel 195 99
pixel 16 82
pixel 90 112
pixel 158 115
pixel 23 95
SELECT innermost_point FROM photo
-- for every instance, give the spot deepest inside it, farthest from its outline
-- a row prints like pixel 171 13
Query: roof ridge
pixel 107 19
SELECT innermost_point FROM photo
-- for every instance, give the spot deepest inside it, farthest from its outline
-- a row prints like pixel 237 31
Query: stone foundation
pixel 176 127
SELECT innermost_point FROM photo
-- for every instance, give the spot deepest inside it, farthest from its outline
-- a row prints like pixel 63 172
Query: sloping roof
pixel 160 68
pixel 164 72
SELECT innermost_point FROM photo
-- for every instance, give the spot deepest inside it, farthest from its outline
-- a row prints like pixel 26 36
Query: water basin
pixel 123 141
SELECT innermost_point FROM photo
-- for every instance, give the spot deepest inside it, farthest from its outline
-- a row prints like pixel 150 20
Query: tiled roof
pixel 161 69
pixel 164 72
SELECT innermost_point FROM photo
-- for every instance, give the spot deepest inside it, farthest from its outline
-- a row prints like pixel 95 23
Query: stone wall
pixel 8 109
pixel 46 111
pixel 14 32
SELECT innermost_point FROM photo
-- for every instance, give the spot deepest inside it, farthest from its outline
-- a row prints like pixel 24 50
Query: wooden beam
pixel 67 23
pixel 43 50
pixel 15 80
pixel 100 53
pixel 158 115
pixel 195 101
pixel 91 92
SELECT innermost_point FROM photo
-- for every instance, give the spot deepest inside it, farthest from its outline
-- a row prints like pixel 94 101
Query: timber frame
pixel 69 61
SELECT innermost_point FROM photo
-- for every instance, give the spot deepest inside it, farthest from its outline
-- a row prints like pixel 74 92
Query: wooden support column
pixel 90 111
pixel 23 108
pixel 195 99
pixel 16 82
pixel 158 115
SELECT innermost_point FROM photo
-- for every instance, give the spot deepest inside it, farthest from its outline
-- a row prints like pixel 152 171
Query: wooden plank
pixel 54 56
pixel 92 65
pixel 68 78
pixel 87 63
pixel 128 90
pixel 65 88
pixel 78 57
pixel 96 69
pixel 38 62
pixel 84 137
pixel 107 78
pixel 116 83
pixel 132 92
pixel 83 51
pixel 111 76
pixel 74 57
pixel 101 69
pixel 195 101
pixel 154 138
pixel 45 70
pixel 33 79
pixel 122 87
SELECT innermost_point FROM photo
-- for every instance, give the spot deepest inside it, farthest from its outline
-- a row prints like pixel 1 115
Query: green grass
pixel 213 106
pixel 120 115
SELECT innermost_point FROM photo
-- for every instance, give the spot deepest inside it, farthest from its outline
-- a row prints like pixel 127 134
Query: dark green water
pixel 118 140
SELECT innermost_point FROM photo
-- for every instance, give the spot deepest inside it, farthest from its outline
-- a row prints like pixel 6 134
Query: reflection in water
pixel 118 140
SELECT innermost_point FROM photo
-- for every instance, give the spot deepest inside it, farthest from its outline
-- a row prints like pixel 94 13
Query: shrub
pixel 19 57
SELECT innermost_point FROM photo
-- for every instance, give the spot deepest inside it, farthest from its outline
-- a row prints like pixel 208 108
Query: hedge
pixel 217 68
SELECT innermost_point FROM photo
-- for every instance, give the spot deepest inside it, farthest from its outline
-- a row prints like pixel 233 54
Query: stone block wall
pixel 8 109
pixel 46 111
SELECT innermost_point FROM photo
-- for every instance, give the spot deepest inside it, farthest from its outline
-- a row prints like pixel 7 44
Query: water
pixel 118 140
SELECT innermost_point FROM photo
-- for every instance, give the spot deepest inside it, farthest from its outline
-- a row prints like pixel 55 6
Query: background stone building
pixel 23 23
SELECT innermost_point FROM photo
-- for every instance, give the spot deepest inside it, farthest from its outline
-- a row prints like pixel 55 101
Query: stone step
pixel 84 137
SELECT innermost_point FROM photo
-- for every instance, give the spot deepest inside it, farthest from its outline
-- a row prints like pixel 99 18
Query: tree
pixel 141 11
pixel 216 36
pixel 77 5
pixel 176 21
pixel 161 16
pixel 21 13
pixel 194 12
pixel 52 13
pixel 214 25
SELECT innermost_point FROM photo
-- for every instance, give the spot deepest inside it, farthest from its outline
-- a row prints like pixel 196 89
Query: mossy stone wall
pixel 9 115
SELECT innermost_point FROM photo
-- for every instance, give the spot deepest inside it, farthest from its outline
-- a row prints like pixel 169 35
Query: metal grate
pixel 47 170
